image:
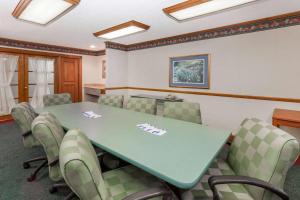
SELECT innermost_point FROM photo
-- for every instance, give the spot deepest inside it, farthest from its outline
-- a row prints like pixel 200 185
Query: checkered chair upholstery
pixel 81 170
pixel 144 105
pixel 259 150
pixel 111 100
pixel 24 115
pixel 57 99
pixel 49 132
pixel 183 111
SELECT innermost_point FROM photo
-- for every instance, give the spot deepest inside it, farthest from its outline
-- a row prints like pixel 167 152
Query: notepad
pixel 151 129
pixel 91 114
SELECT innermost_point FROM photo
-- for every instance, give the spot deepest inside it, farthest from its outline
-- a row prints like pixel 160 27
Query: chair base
pixel 32 177
pixel 26 164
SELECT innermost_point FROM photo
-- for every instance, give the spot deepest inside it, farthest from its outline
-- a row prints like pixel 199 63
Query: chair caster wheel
pixel 26 165
pixel 31 178
pixel 52 190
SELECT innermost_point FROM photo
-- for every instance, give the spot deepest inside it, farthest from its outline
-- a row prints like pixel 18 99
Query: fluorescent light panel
pixel 120 30
pixel 194 8
pixel 42 11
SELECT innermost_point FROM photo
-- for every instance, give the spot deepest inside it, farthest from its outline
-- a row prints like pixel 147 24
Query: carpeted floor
pixel 13 184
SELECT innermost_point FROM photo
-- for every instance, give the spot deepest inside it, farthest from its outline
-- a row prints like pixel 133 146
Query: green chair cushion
pixel 24 115
pixel 227 191
pixel 183 111
pixel 144 105
pixel 262 151
pixel 49 132
pixel 111 100
pixel 128 180
pixel 57 99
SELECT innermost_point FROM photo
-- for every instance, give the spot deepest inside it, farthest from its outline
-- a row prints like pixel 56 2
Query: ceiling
pixel 76 27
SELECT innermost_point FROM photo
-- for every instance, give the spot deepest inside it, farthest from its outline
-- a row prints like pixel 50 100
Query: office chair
pixel 258 161
pixel 57 99
pixel 111 100
pixel 185 111
pixel 81 170
pixel 144 105
pixel 24 115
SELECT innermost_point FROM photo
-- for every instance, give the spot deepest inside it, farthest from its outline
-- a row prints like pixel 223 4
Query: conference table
pixel 180 157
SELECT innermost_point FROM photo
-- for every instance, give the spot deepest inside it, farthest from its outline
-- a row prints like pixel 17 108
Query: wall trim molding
pixel 264 24
pixel 239 96
pixel 47 47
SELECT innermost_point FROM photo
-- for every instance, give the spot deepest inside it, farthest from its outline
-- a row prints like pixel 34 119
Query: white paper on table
pixel 151 129
pixel 91 114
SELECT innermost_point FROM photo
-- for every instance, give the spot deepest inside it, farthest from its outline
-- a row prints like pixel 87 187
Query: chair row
pixel 260 156
pixel 71 157
pixel 185 111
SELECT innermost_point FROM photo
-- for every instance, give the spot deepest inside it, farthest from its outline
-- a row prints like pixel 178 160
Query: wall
pixel 117 70
pixel 92 69
pixel 262 63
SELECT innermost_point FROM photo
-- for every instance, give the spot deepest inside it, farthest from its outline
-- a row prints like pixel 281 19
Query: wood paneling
pixel 240 96
pixel 69 74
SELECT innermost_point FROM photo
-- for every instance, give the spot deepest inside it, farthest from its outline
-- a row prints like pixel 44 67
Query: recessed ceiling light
pixel 122 30
pixel 193 8
pixel 92 46
pixel 42 11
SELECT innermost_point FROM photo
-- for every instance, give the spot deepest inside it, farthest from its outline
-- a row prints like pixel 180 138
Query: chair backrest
pixel 144 105
pixel 111 100
pixel 49 132
pixel 24 115
pixel 183 111
pixel 80 167
pixel 57 99
pixel 262 151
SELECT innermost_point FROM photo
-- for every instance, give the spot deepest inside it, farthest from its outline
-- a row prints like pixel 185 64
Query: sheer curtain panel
pixel 41 67
pixel 8 66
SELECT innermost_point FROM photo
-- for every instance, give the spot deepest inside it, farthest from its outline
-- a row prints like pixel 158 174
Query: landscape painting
pixel 190 71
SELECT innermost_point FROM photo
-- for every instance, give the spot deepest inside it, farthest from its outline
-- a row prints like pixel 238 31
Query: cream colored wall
pixel 262 63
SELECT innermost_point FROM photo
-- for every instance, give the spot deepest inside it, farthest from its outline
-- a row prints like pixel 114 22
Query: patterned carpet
pixel 13 184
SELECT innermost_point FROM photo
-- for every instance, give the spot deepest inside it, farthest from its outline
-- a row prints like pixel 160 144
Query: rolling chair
pixel 81 170
pixel 258 161
pixel 24 115
pixel 111 100
pixel 144 105
pixel 49 132
pixel 57 99
pixel 185 111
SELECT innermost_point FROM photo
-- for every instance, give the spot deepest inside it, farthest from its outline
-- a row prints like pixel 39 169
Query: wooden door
pixel 69 73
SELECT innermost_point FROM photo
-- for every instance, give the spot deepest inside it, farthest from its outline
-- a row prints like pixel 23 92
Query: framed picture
pixel 190 71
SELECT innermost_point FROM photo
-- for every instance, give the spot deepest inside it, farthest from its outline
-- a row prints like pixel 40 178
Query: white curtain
pixel 8 65
pixel 41 68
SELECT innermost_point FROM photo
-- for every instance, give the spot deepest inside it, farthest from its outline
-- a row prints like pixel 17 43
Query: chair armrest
pixel 150 193
pixel 219 180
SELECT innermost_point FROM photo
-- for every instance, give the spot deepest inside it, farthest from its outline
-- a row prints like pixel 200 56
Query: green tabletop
pixel 179 157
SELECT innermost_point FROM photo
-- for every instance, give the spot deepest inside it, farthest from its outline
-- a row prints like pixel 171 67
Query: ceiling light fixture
pixel 43 11
pixel 122 30
pixel 193 8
